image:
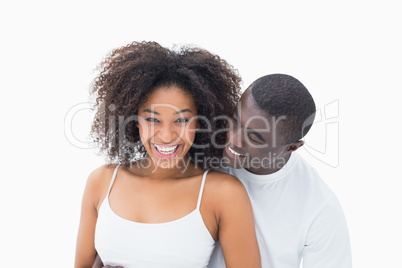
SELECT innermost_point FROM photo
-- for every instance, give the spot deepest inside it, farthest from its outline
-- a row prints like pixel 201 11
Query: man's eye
pixel 250 136
pixel 182 120
pixel 152 119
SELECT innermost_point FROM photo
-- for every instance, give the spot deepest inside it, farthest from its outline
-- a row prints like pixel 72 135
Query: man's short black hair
pixel 283 95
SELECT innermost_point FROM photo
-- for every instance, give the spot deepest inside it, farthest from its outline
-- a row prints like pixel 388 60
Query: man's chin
pixel 235 162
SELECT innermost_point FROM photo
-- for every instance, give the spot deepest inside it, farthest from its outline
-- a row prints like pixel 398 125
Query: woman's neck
pixel 147 168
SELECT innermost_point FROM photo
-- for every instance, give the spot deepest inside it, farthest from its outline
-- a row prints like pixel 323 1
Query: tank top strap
pixel 113 178
pixel 204 176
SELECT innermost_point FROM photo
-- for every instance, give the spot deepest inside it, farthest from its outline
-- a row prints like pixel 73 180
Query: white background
pixel 347 53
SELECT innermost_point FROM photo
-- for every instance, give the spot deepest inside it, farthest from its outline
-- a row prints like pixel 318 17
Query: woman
pixel 158 116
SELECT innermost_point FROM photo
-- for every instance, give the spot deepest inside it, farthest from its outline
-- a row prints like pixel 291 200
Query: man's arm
pixel 99 264
pixel 327 243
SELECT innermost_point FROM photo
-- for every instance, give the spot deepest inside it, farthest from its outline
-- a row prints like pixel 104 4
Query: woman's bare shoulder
pixel 101 174
pixel 221 177
pixel 98 183
pixel 227 194
pixel 224 183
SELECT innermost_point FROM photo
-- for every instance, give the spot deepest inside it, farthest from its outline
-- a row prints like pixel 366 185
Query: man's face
pixel 254 139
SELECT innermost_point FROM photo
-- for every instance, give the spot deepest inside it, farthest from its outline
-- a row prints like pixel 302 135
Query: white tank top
pixel 185 242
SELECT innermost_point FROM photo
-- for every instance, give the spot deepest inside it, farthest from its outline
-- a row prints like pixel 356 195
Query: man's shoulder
pixel 308 183
pixel 310 172
pixel 227 170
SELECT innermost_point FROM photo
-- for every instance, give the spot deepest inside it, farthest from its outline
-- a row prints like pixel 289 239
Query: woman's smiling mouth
pixel 164 151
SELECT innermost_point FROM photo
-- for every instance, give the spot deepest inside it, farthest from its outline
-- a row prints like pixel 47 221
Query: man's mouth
pixel 166 150
pixel 234 152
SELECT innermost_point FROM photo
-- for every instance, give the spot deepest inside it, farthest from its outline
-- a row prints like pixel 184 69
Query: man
pixel 298 218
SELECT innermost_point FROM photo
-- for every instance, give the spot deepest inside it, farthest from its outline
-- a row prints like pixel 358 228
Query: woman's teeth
pixel 166 150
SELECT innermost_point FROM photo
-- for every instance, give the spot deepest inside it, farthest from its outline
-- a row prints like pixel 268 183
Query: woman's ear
pixel 137 121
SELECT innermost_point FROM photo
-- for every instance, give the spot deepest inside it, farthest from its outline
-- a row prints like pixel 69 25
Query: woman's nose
pixel 167 134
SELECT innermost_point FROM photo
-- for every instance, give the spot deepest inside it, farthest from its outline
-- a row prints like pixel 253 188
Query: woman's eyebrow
pixel 178 112
pixel 183 111
pixel 151 111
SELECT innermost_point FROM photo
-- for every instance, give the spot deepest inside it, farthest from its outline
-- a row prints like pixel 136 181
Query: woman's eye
pixel 182 120
pixel 152 119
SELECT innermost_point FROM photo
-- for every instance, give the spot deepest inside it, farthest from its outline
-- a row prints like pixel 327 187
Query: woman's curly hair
pixel 130 73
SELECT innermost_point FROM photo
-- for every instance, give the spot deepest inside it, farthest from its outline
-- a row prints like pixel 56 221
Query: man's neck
pixel 274 166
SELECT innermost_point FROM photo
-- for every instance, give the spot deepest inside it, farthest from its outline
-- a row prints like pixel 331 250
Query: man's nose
pixel 235 135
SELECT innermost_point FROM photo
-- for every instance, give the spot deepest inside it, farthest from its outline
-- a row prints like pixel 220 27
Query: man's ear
pixel 294 146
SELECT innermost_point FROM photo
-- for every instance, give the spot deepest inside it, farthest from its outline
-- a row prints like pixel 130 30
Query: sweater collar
pixel 269 177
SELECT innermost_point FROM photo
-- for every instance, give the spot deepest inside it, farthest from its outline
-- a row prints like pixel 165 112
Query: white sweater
pixel 297 218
